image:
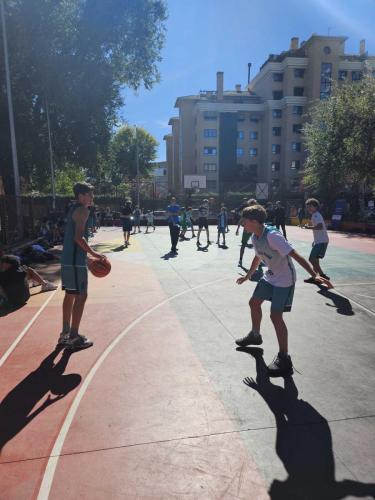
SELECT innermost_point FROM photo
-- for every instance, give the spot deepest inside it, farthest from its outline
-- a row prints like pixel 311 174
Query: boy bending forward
pixel 277 285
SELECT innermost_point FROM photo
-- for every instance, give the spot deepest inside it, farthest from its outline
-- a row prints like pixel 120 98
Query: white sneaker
pixel 48 286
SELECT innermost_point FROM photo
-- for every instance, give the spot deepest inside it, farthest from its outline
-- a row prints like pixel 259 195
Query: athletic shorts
pixel 245 238
pixel 203 223
pixel 281 298
pixel 74 279
pixel 318 250
pixel 126 225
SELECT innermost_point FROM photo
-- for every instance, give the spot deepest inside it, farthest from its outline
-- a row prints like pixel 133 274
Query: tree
pixel 75 57
pixel 340 139
pixel 123 157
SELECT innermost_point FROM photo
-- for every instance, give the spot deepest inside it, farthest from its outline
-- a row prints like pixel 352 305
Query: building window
pixel 277 113
pixel 240 135
pixel 296 147
pixel 253 119
pixel 295 165
pixel 254 135
pixel 253 152
pixel 276 131
pixel 297 128
pixel 210 167
pixel 239 151
pixel 209 151
pixel 275 166
pixel 343 74
pixel 276 149
pixel 356 75
pixel 275 183
pixel 278 77
pixel 299 72
pixel 210 132
pixel 298 91
pixel 297 110
pixel 240 118
pixel 325 80
pixel 294 183
pixel 211 184
pixel 210 118
pixel 277 95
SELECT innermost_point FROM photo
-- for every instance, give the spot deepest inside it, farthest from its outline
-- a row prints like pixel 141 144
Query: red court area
pixel 133 417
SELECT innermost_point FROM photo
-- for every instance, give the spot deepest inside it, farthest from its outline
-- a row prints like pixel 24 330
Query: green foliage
pixel 123 153
pixel 67 177
pixel 75 55
pixel 340 138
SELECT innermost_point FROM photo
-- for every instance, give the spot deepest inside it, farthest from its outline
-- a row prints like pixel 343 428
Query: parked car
pixel 160 218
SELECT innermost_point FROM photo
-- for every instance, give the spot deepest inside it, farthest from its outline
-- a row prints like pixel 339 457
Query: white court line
pixel 6 355
pixel 49 473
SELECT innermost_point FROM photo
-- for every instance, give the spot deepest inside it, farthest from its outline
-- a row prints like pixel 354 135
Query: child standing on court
pixel 74 267
pixel 321 239
pixel 277 285
pixel 221 225
pixel 150 220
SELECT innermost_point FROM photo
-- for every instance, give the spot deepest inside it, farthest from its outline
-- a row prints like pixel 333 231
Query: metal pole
pixel 137 162
pixel 51 160
pixel 12 129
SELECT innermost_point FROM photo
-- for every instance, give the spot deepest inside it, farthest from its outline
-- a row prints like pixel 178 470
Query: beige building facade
pixel 240 137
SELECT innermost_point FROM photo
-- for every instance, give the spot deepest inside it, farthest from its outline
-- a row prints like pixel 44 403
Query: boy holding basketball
pixel 277 285
pixel 74 267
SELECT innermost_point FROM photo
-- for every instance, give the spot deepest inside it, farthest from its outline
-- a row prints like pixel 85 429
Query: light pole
pixel 137 162
pixel 51 160
pixel 12 130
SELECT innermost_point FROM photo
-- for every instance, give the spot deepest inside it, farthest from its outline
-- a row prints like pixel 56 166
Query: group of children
pixel 271 249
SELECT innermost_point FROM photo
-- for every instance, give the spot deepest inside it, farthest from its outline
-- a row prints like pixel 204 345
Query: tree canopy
pixel 340 138
pixel 73 56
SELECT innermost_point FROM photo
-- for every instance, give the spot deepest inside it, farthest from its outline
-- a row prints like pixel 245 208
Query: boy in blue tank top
pixel 277 284
pixel 74 267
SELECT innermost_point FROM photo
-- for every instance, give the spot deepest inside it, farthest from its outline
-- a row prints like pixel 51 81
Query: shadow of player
pixel 342 304
pixel 16 409
pixel 303 443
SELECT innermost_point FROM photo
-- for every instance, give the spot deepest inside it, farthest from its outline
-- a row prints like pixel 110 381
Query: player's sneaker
pixel 48 286
pixel 63 339
pixel 251 339
pixel 78 342
pixel 281 366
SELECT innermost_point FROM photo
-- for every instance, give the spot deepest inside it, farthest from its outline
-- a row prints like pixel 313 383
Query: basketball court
pixel 164 405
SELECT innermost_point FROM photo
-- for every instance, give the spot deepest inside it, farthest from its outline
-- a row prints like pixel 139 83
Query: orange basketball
pixel 99 267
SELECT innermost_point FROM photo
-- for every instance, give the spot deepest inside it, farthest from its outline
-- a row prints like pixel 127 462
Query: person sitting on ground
pixel 14 281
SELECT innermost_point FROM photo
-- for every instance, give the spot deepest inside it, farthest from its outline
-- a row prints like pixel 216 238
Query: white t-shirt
pixel 273 249
pixel 320 235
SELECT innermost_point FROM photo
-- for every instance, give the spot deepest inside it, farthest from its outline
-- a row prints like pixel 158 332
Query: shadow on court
pixel 342 304
pixel 16 409
pixel 303 443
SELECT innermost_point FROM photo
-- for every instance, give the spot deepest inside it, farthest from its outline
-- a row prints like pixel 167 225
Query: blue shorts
pixel 281 298
pixel 318 250
pixel 74 279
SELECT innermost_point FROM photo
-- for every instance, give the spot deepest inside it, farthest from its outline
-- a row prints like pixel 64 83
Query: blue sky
pixel 205 36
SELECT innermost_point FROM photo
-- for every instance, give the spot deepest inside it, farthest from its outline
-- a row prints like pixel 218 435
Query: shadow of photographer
pixel 16 409
pixel 303 443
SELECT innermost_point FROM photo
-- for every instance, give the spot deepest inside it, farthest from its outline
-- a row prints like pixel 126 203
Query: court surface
pixel 164 405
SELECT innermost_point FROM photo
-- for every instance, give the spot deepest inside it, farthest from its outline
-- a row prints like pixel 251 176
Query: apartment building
pixel 239 137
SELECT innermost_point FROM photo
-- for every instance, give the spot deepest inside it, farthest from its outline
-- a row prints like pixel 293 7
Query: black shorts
pixel 126 225
pixel 203 223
